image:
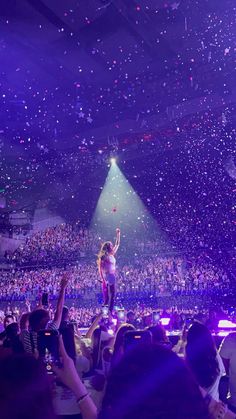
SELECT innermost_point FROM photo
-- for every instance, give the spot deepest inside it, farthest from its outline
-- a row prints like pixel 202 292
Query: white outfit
pixel 213 391
pixel 228 351
pixel 109 269
pixel 110 264
pixel 64 400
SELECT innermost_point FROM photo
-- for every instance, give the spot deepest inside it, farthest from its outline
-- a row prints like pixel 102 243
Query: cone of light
pixel 120 206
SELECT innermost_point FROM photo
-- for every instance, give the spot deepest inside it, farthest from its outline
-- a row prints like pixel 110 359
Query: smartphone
pixel 121 314
pixel 48 347
pixel 68 336
pixel 188 322
pixel 105 312
pixel 45 300
pixel 133 338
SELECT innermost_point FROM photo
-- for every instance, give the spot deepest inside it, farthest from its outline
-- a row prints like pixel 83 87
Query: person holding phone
pixel 107 270
pixel 39 319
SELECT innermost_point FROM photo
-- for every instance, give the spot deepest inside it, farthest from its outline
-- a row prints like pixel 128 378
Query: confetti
pixel 157 92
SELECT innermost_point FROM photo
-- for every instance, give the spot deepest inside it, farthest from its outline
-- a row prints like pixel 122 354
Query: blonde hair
pixel 105 250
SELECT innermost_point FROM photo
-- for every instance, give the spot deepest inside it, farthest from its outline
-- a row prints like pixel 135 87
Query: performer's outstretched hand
pixel 117 243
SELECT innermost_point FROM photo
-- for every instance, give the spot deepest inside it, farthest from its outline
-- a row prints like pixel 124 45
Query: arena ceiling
pixel 82 80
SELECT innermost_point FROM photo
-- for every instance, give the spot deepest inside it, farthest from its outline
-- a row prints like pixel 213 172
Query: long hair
pixel 201 354
pixel 24 320
pixel 38 319
pixel 158 334
pixel 105 250
pixel 152 382
pixel 119 342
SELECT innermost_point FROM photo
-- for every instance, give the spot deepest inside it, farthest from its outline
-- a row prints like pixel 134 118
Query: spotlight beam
pixel 120 206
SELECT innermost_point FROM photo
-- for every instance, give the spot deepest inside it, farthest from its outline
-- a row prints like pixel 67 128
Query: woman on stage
pixel 107 270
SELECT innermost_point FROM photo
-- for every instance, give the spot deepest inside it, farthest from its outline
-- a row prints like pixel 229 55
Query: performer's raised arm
pixel 117 243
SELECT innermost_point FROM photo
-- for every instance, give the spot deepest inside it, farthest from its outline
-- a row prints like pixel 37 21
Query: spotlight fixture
pixel 113 160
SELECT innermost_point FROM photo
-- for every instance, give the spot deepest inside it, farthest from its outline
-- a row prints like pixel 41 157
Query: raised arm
pixel 93 326
pixel 69 376
pixel 117 243
pixel 61 300
pixel 28 306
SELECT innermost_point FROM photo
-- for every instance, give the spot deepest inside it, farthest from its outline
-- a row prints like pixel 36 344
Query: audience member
pixel 159 335
pixel 228 354
pixel 152 382
pixel 39 319
pixel 203 359
pixel 118 351
pixel 25 389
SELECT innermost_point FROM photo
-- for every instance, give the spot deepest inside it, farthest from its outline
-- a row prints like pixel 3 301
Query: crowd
pixel 67 242
pixel 142 313
pixel 153 275
pixel 172 274
pixel 28 284
pixel 83 362
pixel 62 242
pixel 121 367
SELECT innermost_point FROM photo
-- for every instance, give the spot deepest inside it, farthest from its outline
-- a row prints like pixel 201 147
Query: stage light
pixel 119 205
pixel 222 333
pixel 165 321
pixel 113 160
pixel 226 324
